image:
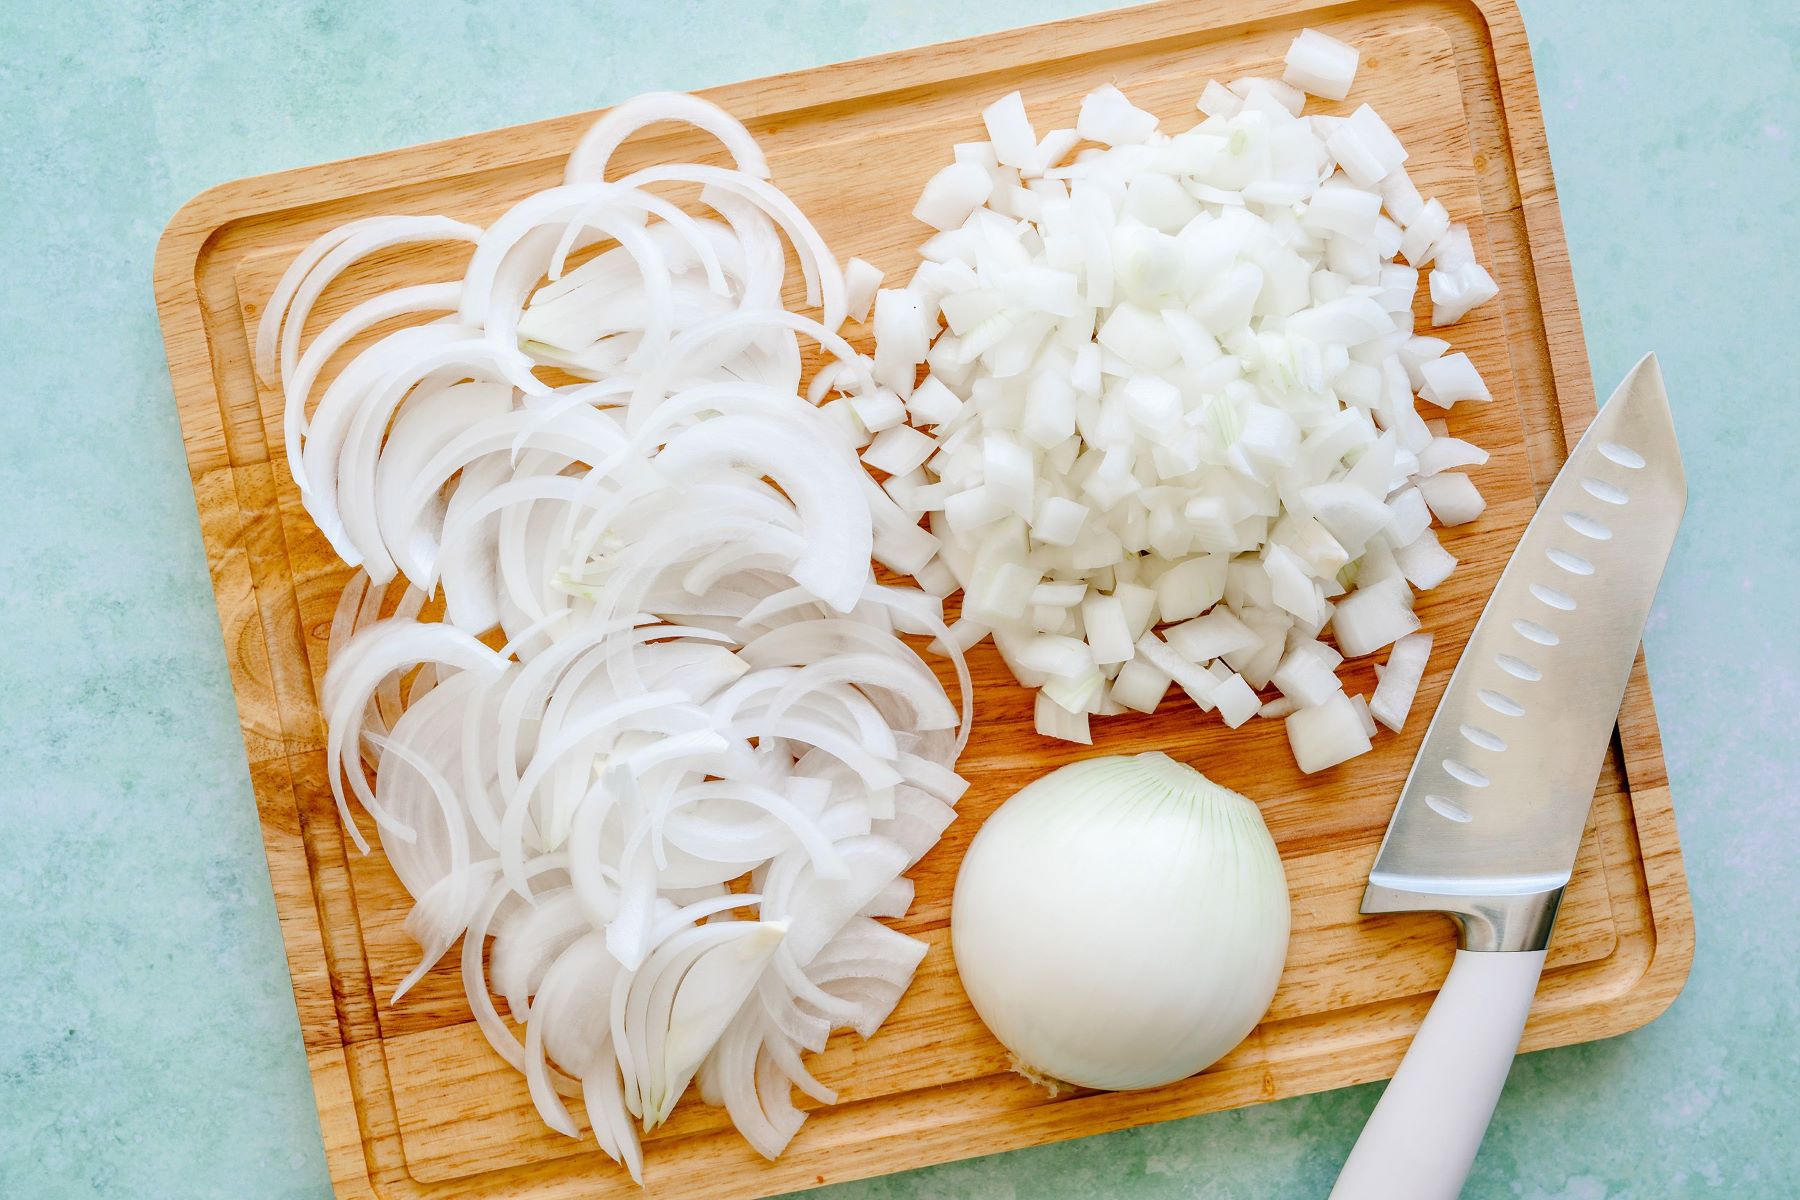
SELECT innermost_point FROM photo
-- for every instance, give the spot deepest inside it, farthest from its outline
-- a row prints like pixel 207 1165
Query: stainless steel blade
pixel 1491 816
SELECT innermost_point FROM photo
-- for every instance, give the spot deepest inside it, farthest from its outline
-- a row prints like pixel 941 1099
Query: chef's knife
pixel 1492 814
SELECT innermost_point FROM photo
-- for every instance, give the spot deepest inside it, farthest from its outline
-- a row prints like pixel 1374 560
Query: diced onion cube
pixel 1452 378
pixel 1260 92
pixel 1455 291
pixel 1453 497
pixel 1235 700
pixel 1338 207
pixel 1400 679
pixel 932 403
pixel 861 279
pixel 1140 686
pixel 1059 595
pixel 1107 116
pixel 1139 603
pixel 1058 521
pixel 1446 452
pixel 1078 692
pixel 1289 585
pixel 1053 147
pixel 1108 634
pixel 1009 130
pixel 1326 735
pixel 1400 197
pixel 899 450
pixel 1052 654
pixel 878 410
pixel 936 578
pixel 1000 592
pixel 952 194
pixel 1455 249
pixel 1049 409
pixel 1320 64
pixel 1054 721
pixel 1350 513
pixel 1424 561
pixel 901 339
pixel 1304 677
pixel 1191 677
pixel 1366 148
pixel 1214 635
pixel 972 509
pixel 1372 617
pixel 1190 587
pixel 1008 472
pixel 1423 232
pixel 1217 100
pixel 1411 516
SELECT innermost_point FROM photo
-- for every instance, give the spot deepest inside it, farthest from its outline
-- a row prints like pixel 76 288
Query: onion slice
pixel 662 815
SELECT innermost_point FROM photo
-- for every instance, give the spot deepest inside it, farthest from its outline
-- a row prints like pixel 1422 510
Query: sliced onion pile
pixel 1171 402
pixel 680 796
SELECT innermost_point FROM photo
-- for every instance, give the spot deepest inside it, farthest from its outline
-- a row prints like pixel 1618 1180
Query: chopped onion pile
pixel 1171 402
pixel 681 794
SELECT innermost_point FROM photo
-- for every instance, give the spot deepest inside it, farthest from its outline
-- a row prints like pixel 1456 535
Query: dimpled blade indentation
pixel 1587 527
pixel 1624 456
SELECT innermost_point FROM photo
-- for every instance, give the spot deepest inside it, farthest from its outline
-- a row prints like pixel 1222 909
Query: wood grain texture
pixel 412 1103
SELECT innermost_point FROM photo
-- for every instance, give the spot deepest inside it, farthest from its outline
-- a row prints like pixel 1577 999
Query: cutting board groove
pixel 411 1101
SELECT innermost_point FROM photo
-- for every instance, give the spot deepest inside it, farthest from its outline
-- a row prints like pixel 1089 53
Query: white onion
pixel 1455 291
pixel 1139 685
pixel 1446 452
pixel 952 194
pixel 1424 562
pixel 1305 676
pixel 1373 616
pixel 591 154
pixel 1214 635
pixel 1327 734
pixel 1451 378
pixel 899 450
pixel 1179 374
pixel 1365 148
pixel 1236 701
pixel 1452 497
pixel 1400 680
pixel 1121 922
pixel 1217 100
pixel 1320 64
pixel 1107 116
pixel 861 280
pixel 1054 721
pixel 702 679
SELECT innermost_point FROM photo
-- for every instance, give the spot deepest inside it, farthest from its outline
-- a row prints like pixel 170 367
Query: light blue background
pixel 148 1045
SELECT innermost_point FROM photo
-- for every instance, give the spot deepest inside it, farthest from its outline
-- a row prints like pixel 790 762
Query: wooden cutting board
pixel 411 1100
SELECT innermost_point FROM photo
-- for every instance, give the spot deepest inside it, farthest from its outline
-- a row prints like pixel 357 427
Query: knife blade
pixel 1490 817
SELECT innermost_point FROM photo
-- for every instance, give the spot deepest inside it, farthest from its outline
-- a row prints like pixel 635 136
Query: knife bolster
pixel 1485 924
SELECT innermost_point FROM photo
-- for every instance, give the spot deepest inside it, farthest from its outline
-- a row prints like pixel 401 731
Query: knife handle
pixel 1422 1137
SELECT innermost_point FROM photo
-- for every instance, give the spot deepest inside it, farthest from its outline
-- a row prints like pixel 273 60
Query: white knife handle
pixel 1422 1137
